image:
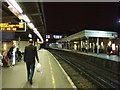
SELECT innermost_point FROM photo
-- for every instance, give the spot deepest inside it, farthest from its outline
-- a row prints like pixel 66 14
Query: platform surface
pixel 52 76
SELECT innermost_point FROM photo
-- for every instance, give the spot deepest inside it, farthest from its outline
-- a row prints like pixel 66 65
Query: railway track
pixel 101 77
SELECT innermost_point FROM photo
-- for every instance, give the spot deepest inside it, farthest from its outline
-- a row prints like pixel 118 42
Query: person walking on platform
pixel 29 57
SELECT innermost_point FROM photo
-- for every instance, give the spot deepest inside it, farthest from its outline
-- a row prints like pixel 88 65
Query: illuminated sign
pixel 17 27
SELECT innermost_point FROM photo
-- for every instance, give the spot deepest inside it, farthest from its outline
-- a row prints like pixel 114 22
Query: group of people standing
pixel 14 54
pixel 10 57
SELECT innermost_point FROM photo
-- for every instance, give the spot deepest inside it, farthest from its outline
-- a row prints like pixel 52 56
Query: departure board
pixel 17 27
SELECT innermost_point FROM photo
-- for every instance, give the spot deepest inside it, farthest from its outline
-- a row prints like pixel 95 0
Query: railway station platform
pixel 111 62
pixel 102 56
pixel 52 75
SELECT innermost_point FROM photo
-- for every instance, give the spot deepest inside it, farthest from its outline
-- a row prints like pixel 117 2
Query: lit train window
pixel 47 36
pixel 57 36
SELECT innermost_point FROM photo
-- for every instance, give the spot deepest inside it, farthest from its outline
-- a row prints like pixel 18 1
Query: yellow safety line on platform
pixel 52 74
pixel 69 79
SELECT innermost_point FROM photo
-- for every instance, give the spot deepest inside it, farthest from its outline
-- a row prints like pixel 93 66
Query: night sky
pixel 71 17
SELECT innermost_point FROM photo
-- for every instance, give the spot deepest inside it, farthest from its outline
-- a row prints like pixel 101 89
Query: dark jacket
pixel 18 52
pixel 30 53
pixel 10 52
pixel 109 49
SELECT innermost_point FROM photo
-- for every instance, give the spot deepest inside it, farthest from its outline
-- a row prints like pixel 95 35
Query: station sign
pixel 16 27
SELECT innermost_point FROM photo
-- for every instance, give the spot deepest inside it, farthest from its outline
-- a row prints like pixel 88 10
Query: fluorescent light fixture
pixel 35 29
pixel 39 35
pixel 12 9
pixel 36 32
pixel 14 4
pixel 31 26
pixel 25 18
pixel 15 12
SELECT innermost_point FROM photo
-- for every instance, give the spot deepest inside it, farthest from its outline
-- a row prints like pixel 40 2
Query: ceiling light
pixel 25 18
pixel 14 4
pixel 31 26
pixel 35 32
pixel 35 29
pixel 39 35
pixel 12 9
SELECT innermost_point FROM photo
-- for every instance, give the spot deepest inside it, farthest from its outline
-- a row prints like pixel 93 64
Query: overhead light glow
pixel 13 10
pixel 35 29
pixel 25 18
pixel 39 35
pixel 14 4
pixel 31 26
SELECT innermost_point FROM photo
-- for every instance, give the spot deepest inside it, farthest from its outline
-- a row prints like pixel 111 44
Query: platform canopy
pixel 90 33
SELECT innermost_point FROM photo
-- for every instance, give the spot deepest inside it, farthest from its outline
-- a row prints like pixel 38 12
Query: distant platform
pixel 103 56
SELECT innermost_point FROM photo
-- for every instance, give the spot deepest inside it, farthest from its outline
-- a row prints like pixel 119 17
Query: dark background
pixel 71 17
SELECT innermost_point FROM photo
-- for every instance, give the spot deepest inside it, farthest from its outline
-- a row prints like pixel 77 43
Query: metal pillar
pixel 19 42
pixel 69 45
pixel 66 44
pixel 81 46
pixel 98 45
pixel 88 44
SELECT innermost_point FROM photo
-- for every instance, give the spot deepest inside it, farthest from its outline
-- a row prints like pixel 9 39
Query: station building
pixel 94 41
